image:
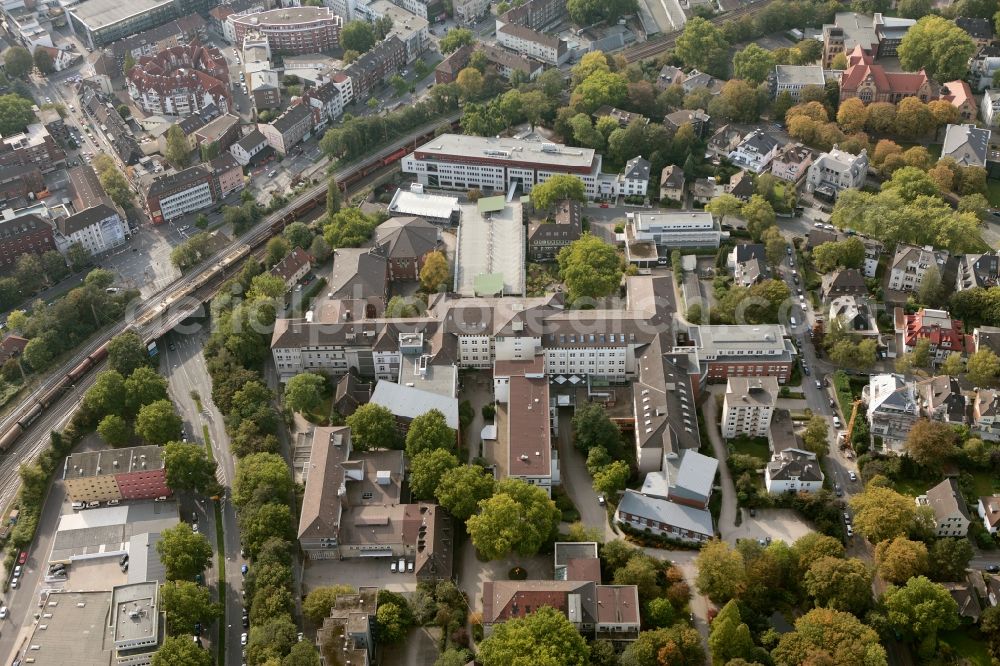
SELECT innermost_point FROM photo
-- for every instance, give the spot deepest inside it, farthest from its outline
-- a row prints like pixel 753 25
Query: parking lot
pixel 779 524
pixel 374 571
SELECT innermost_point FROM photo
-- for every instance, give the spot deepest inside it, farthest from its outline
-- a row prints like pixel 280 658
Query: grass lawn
pixel 321 416
pixel 985 484
pixel 912 487
pixel 993 191
pixel 753 446
pixel 970 648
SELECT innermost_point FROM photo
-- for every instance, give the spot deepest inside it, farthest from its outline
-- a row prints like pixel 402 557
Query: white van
pixel 792 321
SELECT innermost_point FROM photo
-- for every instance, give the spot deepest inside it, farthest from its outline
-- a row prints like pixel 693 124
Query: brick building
pixel 181 80
pixel 743 351
pixel 375 66
pixel 34 146
pixel 27 234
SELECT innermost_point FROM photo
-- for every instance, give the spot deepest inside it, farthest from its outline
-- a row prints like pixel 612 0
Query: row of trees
pixel 34 272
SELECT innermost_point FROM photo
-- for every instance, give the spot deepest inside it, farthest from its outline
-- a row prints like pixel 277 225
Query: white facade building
pixel 911 263
pixel 990 108
pixel 97 229
pixel 458 162
pixel 195 198
pixel 838 170
pixel 755 152
pixel 678 229
pixel 793 471
pixel 532 44
pixel 748 406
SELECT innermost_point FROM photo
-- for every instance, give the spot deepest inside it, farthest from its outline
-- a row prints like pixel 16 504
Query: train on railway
pixel 31 411
pixel 27 413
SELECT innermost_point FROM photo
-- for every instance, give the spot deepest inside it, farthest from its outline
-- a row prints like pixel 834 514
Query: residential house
pixel 835 171
pixel 989 510
pixel 986 337
pixel 893 408
pixel 634 180
pixel 951 518
pixel 959 94
pixel 375 66
pixel 980 29
pixel 986 414
pixel 530 43
pixel 941 399
pixel 794 78
pixel 983 65
pixel 12 346
pixel 352 507
pixel 792 162
pixel 793 471
pixel 755 152
pixel 741 185
pixel 359 273
pixel 873 251
pixel 23 234
pixel 843 282
pixel 227 175
pixel 288 129
pixel 295 266
pixel 946 335
pixel 624 118
pixel 748 262
pixel 966 597
pixel 704 190
pixel 98 229
pixel 910 264
pixel 697 118
pixel 249 147
pixel 816 237
pixel 326 102
pixel 966 144
pixel 405 242
pixel 672 182
pixel 855 314
pixel 546 239
pixel 748 406
pixel 669 76
pixel 695 80
pixel 724 141
pixel 977 270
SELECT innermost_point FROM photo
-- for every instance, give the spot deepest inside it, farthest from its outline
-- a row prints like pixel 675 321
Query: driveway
pixel 363 571
pixel 576 480
pixel 779 524
pixel 727 517
pixel 472 573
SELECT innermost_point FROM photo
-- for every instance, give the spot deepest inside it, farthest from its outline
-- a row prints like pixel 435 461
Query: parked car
pixel 401 565
pixel 852 476
pixel 3 612
pixel 836 421
pixel 392 566
pixel 244 569
pixel 243 638
pixel 23 557
pixel 990 568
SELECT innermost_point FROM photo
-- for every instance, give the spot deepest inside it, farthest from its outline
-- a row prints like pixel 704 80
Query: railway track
pixel 25 430
pixel 666 41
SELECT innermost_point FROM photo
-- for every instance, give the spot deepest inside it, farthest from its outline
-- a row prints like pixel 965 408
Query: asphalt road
pixel 185 369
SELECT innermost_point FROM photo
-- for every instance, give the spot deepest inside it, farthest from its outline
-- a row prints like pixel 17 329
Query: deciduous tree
pixel 759 216
pixel 721 572
pixel 983 367
pixel 372 427
pixel 114 430
pixel 702 45
pixel 304 392
pixel 320 600
pixel 817 435
pixel 188 467
pixel 178 151
pixel 460 490
pixel 844 585
pixel 126 353
pixel 949 558
pixel 753 64
pixel 261 478
pixel 518 517
pixel 180 650
pixel 828 636
pixel 427 469
pixel 545 636
pixel 184 553
pixel 900 559
pixel 158 423
pixel 937 46
pixel 882 513
pixel 18 62
pixel 931 443
pixel 435 273
pixel 919 610
pixel 185 604
pixel 455 39
pixel 427 432
pixel 358 36
pixel 557 188
pixel 590 268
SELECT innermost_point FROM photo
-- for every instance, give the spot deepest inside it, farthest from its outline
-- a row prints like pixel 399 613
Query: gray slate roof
pixel 677 515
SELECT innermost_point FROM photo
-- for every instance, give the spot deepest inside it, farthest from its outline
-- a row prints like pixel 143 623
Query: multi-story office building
pixel 173 195
pixel 455 161
pixel 650 236
pixel 742 351
pixel 292 30
pixel 794 78
pixel 100 22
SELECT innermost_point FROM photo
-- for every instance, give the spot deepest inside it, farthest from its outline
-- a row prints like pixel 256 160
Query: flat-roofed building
pixel 292 30
pixel 100 22
pixel 455 161
pixel 743 351
pixel 414 202
pixel 114 474
pixel 748 406
pixel 794 78
pixel 667 231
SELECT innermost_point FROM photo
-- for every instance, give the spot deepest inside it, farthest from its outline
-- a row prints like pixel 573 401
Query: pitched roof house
pixel 843 282
pixel 966 144
pixel 951 518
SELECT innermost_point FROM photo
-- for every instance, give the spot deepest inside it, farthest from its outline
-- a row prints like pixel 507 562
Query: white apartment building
pixel 532 44
pixel 911 263
pixel 98 229
pixel 409 27
pixel 836 171
pixel 793 471
pixel 674 229
pixel 247 147
pixel 634 180
pixel 755 152
pixel 458 162
pixel 194 198
pixel 989 110
pixel 748 406
pixel 469 11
